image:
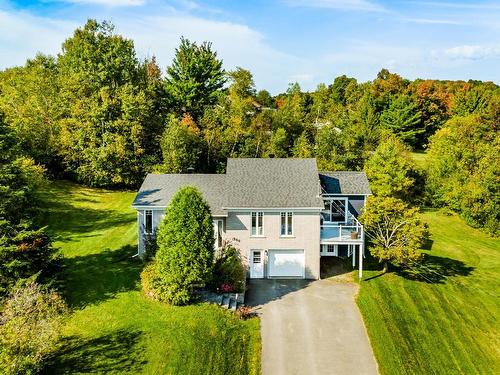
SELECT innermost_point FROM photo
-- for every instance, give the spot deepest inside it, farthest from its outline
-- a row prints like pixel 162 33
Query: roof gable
pixel 158 189
pixel 273 183
pixel 345 182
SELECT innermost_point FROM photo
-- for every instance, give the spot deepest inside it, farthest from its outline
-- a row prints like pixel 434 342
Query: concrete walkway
pixel 311 328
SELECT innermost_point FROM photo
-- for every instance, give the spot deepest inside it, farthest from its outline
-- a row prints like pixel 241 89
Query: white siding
pixel 157 218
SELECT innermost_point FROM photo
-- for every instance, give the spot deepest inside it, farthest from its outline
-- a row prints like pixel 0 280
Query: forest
pixel 99 115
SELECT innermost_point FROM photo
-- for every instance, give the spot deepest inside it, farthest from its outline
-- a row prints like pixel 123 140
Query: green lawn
pixel 113 328
pixel 444 320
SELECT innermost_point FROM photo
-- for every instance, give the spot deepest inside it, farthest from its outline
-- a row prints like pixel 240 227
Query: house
pixel 284 213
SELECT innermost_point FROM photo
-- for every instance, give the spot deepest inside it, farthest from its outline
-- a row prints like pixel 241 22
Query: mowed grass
pixel 113 328
pixel 443 319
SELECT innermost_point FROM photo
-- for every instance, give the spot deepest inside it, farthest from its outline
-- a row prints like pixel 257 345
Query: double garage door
pixel 284 263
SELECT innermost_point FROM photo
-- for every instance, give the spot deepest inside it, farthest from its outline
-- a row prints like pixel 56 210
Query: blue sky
pixel 281 41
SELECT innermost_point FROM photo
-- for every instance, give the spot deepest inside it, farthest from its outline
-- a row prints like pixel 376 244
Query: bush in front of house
pixel 185 254
pixel 30 324
pixel 150 281
pixel 229 273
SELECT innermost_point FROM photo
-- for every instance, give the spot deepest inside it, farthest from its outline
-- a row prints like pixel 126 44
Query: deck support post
pixel 353 252
pixel 360 265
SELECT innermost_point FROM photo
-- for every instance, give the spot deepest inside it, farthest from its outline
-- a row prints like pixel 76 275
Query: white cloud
pixel 302 78
pixel 472 52
pixel 359 5
pixel 458 5
pixel 22 35
pixel 111 3
pixel 431 21
pixel 236 44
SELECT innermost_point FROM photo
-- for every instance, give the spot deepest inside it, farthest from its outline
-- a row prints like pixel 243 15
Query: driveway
pixel 311 328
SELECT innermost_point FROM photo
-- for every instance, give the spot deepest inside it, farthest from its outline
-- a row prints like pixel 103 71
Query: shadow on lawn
pixel 435 270
pixel 117 351
pixel 66 221
pixel 93 278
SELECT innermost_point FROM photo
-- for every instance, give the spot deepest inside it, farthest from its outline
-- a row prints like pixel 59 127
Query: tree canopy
pixel 98 114
pixel 194 78
pixel 394 230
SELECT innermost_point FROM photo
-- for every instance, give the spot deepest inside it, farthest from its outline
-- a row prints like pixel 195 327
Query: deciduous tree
pixel 395 231
pixel 30 326
pixel 180 145
pixel 390 169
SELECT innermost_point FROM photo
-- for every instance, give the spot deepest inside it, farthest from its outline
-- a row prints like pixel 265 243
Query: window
pixel 148 222
pixel 257 224
pixel 219 230
pixel 256 257
pixel 287 223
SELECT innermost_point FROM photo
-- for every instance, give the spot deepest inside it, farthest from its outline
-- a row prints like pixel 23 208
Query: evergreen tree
pixel 194 78
pixel 278 146
pixel 185 247
pixel 403 118
pixel 25 251
pixel 302 147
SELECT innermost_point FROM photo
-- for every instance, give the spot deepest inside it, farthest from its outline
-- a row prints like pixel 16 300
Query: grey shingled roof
pixel 345 182
pixel 158 189
pixel 255 183
pixel 272 183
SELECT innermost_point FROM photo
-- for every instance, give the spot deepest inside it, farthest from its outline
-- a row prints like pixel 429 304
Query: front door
pixel 256 264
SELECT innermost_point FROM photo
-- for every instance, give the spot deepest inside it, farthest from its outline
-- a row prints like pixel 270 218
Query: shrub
pixel 30 325
pixel 185 241
pixel 150 281
pixel 229 272
pixel 150 245
pixel 25 254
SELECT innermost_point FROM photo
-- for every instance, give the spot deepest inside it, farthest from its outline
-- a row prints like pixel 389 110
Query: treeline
pixel 98 114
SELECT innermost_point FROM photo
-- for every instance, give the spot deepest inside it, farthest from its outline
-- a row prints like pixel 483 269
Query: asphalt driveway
pixel 310 328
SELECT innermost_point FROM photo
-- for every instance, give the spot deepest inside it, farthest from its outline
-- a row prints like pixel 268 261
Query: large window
pixel 148 222
pixel 336 210
pixel 287 224
pixel 257 224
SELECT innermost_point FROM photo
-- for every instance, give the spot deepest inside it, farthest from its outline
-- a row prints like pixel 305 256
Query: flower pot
pixel 354 235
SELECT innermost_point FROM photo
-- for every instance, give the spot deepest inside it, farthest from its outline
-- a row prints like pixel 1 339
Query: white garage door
pixel 286 263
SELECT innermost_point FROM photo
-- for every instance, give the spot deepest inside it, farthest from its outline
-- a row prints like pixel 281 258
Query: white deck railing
pixel 342 231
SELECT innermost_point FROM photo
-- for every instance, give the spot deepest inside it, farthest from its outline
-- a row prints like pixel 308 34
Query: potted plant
pixel 354 235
